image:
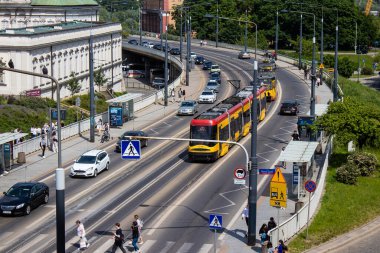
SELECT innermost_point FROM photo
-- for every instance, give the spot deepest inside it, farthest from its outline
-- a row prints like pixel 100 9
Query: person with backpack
pixel 119 239
pixel 263 232
pixel 135 236
pixel 140 224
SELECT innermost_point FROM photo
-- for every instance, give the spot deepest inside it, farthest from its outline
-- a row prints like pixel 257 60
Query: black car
pixel 175 51
pixel 133 42
pixel 143 142
pixel 207 65
pixel 199 60
pixel 161 48
pixel 21 198
pixel 289 107
pixel 215 76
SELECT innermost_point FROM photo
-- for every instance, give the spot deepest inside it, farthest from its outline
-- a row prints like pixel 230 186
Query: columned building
pixel 63 49
pixel 25 13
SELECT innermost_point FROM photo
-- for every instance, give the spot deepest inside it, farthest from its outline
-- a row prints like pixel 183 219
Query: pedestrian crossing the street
pixel 155 246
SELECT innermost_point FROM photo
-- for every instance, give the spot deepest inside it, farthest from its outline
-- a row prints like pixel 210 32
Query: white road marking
pixel 26 247
pixel 147 245
pixel 231 202
pixel 108 244
pixel 185 248
pixel 205 248
pixel 167 247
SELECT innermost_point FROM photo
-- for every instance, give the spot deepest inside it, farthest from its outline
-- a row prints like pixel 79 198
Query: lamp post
pixel 335 90
pixel 140 28
pixel 180 38
pixel 59 172
pixel 217 23
pixel 252 193
pixel 276 48
pixel 162 48
pixel 187 52
pixel 166 60
pixel 300 49
pixel 245 31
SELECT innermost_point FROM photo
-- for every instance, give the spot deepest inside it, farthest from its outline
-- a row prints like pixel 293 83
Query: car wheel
pixel 95 172
pixel 46 198
pixel 27 210
pixel 107 166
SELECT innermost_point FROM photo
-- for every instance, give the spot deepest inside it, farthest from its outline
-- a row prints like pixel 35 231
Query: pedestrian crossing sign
pixel 215 221
pixel 130 149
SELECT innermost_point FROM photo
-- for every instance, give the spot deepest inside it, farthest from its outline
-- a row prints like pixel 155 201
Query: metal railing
pixel 298 221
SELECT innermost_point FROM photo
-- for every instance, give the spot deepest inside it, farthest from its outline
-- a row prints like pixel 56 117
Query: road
pixel 174 196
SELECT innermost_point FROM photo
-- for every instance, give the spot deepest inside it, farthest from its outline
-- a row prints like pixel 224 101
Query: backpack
pixel 122 237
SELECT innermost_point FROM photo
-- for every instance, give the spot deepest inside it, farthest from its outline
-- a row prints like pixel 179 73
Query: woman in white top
pixel 82 235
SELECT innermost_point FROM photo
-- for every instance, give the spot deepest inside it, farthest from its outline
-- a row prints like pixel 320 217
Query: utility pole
pixel 300 53
pixel 335 90
pixel 312 104
pixel 321 56
pixel 187 51
pixel 217 22
pixel 92 92
pixel 252 195
pixel 166 61
pixel 276 48
pixel 246 31
pixel 180 37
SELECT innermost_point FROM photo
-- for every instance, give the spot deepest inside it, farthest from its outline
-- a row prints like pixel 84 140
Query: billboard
pixel 116 115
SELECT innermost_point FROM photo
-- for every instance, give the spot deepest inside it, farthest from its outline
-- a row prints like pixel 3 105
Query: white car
pixel 207 96
pixel 90 164
pixel 193 55
pixel 147 44
pixel 215 68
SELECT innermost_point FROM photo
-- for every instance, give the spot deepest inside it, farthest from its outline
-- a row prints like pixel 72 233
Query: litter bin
pixel 21 157
pixel 299 205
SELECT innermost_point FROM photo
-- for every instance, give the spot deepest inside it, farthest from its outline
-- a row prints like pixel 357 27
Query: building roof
pixel 298 151
pixel 125 98
pixel 48 28
pixel 7 137
pixel 63 2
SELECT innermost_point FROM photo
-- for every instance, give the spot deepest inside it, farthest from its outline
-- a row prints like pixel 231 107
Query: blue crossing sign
pixel 215 221
pixel 130 149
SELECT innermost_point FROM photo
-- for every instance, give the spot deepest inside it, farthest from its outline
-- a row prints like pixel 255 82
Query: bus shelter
pixel 298 157
pixel 6 149
pixel 121 109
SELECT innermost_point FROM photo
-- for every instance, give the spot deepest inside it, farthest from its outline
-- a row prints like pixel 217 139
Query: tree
pixel 73 84
pixel 99 78
pixel 352 121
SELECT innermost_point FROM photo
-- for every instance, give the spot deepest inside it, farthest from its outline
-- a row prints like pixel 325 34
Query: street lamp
pixel 166 14
pixel 59 172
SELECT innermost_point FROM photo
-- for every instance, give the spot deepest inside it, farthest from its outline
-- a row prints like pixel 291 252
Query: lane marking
pixel 205 248
pixel 167 247
pixel 26 246
pixel 105 246
pixel 185 248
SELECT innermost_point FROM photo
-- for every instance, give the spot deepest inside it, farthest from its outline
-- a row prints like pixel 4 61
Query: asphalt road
pixel 173 195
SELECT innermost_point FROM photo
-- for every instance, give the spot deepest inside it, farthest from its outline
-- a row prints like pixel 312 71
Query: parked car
pixel 215 76
pixel 133 42
pixel 22 198
pixel 175 51
pixel 147 44
pixel 143 142
pixel 244 55
pixel 213 85
pixel 158 83
pixel 207 96
pixel 135 73
pixel 214 68
pixel 188 107
pixel 90 164
pixel 199 60
pixel 207 65
pixel 289 107
pixel 193 55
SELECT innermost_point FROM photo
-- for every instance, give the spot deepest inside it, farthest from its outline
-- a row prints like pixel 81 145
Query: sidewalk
pixel 36 167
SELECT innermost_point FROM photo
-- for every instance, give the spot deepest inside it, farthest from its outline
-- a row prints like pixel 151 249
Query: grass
pixel 337 213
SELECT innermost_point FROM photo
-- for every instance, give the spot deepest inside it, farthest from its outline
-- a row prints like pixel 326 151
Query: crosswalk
pixel 155 246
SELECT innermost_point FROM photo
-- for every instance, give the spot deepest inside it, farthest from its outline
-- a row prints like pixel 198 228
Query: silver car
pixel 188 107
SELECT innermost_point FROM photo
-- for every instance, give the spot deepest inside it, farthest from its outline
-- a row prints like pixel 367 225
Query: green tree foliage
pixel 352 121
pixel 99 78
pixel 73 84
pixel 347 174
pixel 345 67
pixel 365 162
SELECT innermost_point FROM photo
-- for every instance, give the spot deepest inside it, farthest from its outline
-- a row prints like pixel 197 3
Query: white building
pixel 63 48
pixel 23 13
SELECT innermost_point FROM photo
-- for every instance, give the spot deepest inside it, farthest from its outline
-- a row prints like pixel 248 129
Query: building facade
pixel 25 13
pixel 63 49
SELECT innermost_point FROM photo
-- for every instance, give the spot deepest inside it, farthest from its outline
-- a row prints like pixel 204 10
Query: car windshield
pixel 214 67
pixel 21 191
pixel 86 159
pixel 212 84
pixel 187 104
pixel 288 104
pixel 159 81
pixel 207 93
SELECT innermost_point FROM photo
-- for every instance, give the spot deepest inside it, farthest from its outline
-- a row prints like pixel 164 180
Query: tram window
pixel 203 133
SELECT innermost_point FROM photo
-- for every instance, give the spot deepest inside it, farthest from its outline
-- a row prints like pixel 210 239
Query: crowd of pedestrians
pixel 48 137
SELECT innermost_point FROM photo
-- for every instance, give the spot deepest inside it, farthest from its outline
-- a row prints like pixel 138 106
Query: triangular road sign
pixel 278 177
pixel 215 222
pixel 131 151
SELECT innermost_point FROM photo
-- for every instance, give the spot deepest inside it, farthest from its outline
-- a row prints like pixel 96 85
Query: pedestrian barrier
pixel 298 221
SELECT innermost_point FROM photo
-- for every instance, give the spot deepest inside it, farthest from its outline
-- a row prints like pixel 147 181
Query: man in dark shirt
pixel 119 239
pixel 271 223
pixel 295 136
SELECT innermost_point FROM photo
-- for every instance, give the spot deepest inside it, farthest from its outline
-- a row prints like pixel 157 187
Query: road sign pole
pixel 308 217
pixel 278 223
pixel 214 240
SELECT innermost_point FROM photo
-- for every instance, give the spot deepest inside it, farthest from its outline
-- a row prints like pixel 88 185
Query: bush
pixel 367 71
pixel 347 174
pixel 365 162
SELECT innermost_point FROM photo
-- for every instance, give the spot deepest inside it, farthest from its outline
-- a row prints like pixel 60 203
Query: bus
pixel 270 82
pixel 229 120
pixel 134 70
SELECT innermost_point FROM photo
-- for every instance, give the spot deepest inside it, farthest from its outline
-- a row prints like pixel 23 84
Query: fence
pixel 294 224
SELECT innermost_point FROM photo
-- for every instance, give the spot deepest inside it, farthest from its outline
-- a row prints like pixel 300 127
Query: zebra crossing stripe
pixel 108 244
pixel 185 248
pixel 147 245
pixel 167 247
pixel 205 248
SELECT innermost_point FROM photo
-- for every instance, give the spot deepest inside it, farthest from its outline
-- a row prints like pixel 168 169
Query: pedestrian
pixel 270 248
pixel 54 141
pixel 263 232
pixel 83 243
pixel 308 131
pixel 295 136
pixel 271 223
pixel 245 216
pixel 135 236
pixel 179 92
pixel 283 163
pixel 43 144
pixel 299 128
pixel 172 93
pixel 140 224
pixel 119 239
pixel 99 126
pixel 201 42
pixel 280 248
